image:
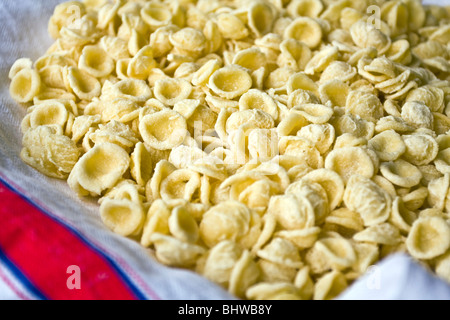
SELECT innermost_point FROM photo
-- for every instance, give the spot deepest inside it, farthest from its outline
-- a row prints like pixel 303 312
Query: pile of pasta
pixel 278 148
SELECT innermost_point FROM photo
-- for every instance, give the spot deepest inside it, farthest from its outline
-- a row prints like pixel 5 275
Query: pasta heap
pixel 279 148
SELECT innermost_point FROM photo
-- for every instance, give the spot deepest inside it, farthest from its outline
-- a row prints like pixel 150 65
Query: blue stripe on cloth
pixel 22 278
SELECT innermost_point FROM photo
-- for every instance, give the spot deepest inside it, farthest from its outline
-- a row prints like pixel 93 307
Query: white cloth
pixel 23 33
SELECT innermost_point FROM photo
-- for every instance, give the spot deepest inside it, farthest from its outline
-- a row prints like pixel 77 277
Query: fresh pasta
pixel 277 148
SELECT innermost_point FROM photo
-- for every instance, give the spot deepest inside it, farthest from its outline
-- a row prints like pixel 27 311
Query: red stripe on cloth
pixel 49 255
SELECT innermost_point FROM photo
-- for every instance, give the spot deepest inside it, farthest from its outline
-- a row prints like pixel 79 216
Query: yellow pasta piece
pixel 350 161
pixel 443 266
pixel 229 220
pixel 383 233
pixel 281 251
pixel 305 8
pixel 141 65
pixel 365 105
pixel 245 273
pixel 171 91
pixel 82 124
pixel 353 125
pixel 256 99
pixel 338 70
pixel 19 65
pixel 273 291
pixel 322 135
pixel 421 149
pixel 417 115
pixel 25 85
pixel 437 191
pixel 298 81
pixel 251 118
pixel 220 261
pixel 338 252
pixel 292 212
pixel 330 286
pixel 429 237
pixel 230 82
pixel 182 225
pixel 334 93
pixel 278 78
pixel 115 47
pixel 368 199
pixel 114 132
pixel 401 173
pixel 136 90
pixel 180 184
pixel 174 252
pixel 263 144
pixel 202 75
pixel 415 199
pixel 301 148
pixel 213 36
pixel 50 112
pixel 366 255
pixel 395 123
pixel 306 30
pixel 62 16
pixel 188 41
pixel 302 238
pixel 294 54
pixel 366 35
pixel 345 218
pixel 321 60
pixel 156 15
pixel 400 51
pixel 313 193
pixel 331 182
pixel 314 113
pixel 442 161
pixel 260 18
pixel 388 145
pixel 172 134
pixel 275 272
pixel 157 221
pixel 95 61
pixel 402 217
pixel 124 217
pixel 99 169
pixel 49 152
pixel 432 97
pixel 231 27
pixel 85 86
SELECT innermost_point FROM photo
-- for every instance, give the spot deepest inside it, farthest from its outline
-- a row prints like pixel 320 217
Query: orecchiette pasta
pixel 228 220
pixel 230 82
pixel 171 135
pixel 99 169
pixel 124 217
pixel 96 62
pixel 306 30
pixel 25 85
pixel 84 85
pixel 428 238
pixel 350 161
pixel 49 151
pixel 368 199
pixel 278 148
pixel 401 173
pixel 388 145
